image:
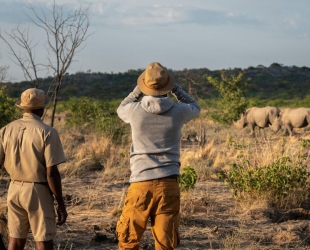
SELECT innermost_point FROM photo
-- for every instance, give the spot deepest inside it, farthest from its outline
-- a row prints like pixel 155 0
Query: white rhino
pixel 290 119
pixel 257 117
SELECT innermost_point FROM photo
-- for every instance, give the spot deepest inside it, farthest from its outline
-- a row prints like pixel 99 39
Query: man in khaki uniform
pixel 30 152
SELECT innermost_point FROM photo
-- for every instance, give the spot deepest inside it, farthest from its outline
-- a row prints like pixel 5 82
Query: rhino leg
pixel 307 128
pixel 288 129
pixel 262 132
pixel 252 127
pixel 307 121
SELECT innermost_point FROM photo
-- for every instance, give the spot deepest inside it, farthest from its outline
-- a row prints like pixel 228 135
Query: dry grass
pixel 86 152
pixel 95 180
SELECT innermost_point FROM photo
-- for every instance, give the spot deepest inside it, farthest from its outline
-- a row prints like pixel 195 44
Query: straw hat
pixel 155 80
pixel 32 99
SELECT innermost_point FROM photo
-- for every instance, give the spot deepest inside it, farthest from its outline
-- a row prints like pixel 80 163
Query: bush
pixel 8 110
pixel 232 101
pixel 187 179
pixel 94 115
pixel 284 183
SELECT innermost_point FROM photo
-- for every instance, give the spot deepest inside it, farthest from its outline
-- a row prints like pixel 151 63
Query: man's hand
pixel 54 182
pixel 62 216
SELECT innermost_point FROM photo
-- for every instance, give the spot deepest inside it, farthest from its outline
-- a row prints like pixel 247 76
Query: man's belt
pixel 174 177
pixel 41 183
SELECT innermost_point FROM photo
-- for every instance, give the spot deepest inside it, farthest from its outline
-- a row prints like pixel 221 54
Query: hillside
pixel 273 82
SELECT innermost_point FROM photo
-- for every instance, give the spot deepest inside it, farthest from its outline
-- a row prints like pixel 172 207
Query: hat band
pixel 155 88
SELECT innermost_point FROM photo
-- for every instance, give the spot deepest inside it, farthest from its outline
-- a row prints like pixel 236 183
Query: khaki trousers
pixel 31 205
pixel 158 200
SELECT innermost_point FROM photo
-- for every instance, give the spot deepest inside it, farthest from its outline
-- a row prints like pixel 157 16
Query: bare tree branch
pixel 3 72
pixel 25 60
pixel 65 33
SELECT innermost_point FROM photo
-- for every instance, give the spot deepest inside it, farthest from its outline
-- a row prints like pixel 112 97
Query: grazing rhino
pixel 257 117
pixel 290 119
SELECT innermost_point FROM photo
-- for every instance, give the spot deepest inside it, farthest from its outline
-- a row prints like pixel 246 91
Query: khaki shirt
pixel 27 147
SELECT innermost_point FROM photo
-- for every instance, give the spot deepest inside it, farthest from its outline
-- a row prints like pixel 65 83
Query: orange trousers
pixel 158 200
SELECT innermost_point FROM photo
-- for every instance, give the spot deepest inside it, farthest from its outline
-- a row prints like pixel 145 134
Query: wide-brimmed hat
pixel 156 80
pixel 32 99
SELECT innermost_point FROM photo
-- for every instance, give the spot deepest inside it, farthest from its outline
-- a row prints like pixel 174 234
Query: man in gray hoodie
pixel 156 122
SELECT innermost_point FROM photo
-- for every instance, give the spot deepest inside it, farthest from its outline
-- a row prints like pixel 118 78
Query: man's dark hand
pixel 62 216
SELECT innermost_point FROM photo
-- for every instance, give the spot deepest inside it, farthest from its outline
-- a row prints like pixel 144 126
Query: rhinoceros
pixel 257 117
pixel 290 119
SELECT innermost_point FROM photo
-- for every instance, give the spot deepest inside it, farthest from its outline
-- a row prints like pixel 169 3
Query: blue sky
pixel 213 34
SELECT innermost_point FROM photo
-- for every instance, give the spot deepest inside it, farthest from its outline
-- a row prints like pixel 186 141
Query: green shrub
pixel 8 110
pixel 94 115
pixel 187 179
pixel 232 102
pixel 304 143
pixel 284 183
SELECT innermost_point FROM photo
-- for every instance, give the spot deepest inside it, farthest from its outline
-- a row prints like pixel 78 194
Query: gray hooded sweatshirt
pixel 156 124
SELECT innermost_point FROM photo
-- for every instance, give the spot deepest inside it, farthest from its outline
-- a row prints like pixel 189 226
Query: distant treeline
pixel 266 83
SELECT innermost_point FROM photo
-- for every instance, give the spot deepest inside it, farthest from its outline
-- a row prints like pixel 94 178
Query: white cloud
pixel 98 7
pixel 231 14
pixel 292 21
pixel 117 14
pixel 154 15
pixel 196 33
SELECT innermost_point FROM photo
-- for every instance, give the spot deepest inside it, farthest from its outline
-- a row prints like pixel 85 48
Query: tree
pixel 3 72
pixel 232 102
pixel 65 34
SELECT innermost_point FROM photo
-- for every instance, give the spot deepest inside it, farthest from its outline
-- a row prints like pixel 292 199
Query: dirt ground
pixel 210 218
